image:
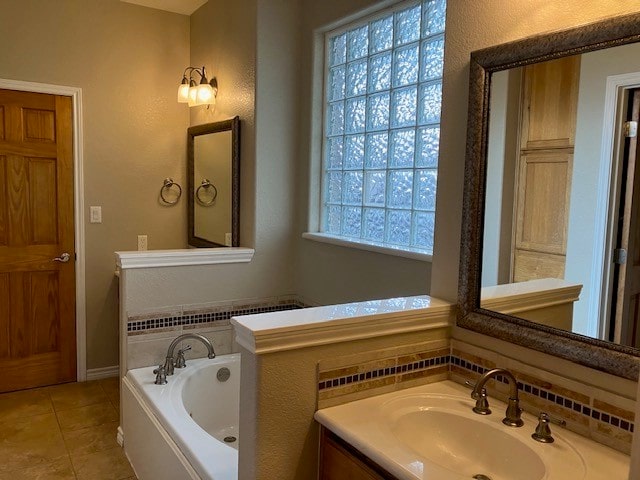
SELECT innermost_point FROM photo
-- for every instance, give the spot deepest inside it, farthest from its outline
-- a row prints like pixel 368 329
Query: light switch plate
pixel 95 214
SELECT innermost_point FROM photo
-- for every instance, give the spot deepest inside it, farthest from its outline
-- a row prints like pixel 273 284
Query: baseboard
pixel 120 436
pixel 104 372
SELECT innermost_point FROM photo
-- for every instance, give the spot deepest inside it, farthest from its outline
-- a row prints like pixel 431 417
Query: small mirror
pixel 213 152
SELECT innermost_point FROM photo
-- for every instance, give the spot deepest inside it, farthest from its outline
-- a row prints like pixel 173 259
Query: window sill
pixel 368 246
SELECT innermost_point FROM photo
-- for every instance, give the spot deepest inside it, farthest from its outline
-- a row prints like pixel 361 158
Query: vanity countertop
pixel 372 426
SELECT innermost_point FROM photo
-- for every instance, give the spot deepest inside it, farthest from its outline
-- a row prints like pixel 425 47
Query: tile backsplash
pixel 150 333
pixel 605 417
pixel 191 315
pixel 345 379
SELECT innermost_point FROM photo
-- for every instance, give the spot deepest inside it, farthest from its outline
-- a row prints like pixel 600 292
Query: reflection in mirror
pixel 544 185
pixel 558 168
pixel 213 183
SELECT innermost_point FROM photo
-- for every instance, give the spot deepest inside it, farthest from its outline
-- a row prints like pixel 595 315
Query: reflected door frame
pixel 612 157
pixel 625 285
pixel 78 182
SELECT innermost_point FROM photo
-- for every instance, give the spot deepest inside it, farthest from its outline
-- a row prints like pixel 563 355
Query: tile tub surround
pixel 218 312
pixel 602 416
pixel 150 333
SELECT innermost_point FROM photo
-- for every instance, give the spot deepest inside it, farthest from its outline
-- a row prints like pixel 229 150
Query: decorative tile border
pixel 578 407
pixel 348 378
pixel 144 324
pixel 391 371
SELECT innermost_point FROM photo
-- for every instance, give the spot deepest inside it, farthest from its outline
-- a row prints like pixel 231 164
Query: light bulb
pixel 204 94
pixel 183 93
pixel 193 96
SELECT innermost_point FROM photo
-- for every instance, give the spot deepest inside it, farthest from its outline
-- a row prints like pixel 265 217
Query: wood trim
pixel 78 186
pixel 338 460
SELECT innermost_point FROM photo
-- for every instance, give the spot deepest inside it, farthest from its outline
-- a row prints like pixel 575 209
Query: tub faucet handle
pixel 180 360
pixel 161 375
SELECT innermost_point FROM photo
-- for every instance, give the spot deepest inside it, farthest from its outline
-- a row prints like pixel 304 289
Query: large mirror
pixel 550 211
pixel 213 155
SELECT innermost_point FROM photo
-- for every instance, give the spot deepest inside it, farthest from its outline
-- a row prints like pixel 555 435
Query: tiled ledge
pixel 182 257
pixel 272 332
pixel 193 315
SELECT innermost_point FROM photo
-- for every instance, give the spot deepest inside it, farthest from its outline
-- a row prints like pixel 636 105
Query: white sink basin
pixel 430 432
pixel 444 430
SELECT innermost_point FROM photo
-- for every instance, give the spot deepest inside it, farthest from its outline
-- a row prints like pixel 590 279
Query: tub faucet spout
pixel 170 362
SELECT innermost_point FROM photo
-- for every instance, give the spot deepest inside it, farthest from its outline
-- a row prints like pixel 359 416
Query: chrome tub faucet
pixel 513 414
pixel 170 363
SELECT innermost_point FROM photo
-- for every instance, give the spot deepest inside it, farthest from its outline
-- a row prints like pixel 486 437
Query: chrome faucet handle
pixel 543 432
pixel 482 402
pixel 169 364
pixel 472 386
pixel 180 360
pixel 161 375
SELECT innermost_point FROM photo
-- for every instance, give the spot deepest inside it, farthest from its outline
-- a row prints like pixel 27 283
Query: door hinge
pixel 619 256
pixel 630 129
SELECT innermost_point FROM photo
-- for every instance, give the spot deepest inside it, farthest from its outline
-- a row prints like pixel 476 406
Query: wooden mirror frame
pixel 605 356
pixel 232 125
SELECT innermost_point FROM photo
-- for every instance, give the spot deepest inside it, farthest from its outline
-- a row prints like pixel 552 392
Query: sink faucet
pixel 512 416
pixel 169 363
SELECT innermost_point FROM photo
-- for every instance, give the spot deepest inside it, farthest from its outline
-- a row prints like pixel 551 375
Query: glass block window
pixel 383 94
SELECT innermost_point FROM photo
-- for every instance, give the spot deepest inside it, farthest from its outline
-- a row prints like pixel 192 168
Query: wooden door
pixel 37 294
pixel 544 188
pixel 627 281
pixel 545 166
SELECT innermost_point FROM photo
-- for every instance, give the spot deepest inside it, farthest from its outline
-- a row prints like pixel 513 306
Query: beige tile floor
pixel 62 432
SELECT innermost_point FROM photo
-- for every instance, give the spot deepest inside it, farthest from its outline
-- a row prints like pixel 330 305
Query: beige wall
pixel 223 39
pixel 127 60
pixel 327 273
pixel 227 38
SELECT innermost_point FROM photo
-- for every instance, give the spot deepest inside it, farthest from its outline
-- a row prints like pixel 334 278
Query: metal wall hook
pixel 166 185
pixel 206 184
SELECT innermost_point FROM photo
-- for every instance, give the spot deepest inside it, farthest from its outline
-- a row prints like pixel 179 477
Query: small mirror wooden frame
pixel 232 125
pixel 605 356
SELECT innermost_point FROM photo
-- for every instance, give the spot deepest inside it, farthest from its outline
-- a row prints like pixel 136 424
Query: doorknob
pixel 64 258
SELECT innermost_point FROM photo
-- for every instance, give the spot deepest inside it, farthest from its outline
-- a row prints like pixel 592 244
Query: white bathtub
pixel 184 429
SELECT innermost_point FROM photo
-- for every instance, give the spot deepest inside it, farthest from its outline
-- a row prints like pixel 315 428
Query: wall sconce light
pixel 194 94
